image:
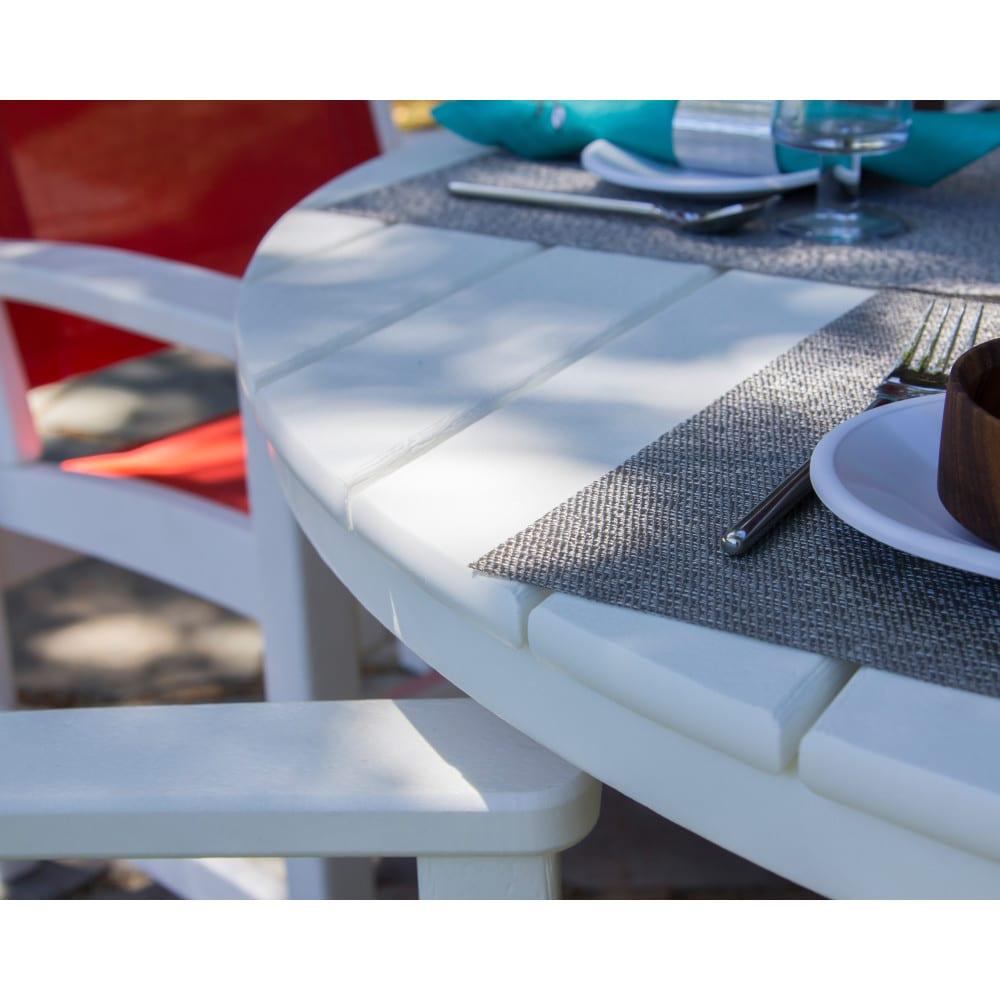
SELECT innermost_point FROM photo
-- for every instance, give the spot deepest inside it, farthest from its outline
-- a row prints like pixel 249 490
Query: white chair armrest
pixel 174 302
pixel 430 777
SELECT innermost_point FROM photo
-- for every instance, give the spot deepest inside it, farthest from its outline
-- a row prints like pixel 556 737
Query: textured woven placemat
pixel 645 535
pixel 952 247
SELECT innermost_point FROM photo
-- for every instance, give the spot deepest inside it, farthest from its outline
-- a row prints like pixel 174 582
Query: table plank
pixel 349 417
pixel 914 753
pixel 303 232
pixel 420 154
pixel 748 698
pixel 367 277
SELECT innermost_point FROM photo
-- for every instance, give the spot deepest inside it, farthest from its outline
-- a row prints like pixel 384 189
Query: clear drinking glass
pixel 842 132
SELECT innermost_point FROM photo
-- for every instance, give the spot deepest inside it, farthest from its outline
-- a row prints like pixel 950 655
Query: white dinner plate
pixel 612 163
pixel 878 472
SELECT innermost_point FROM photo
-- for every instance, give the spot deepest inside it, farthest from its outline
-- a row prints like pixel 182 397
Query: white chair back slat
pixel 175 302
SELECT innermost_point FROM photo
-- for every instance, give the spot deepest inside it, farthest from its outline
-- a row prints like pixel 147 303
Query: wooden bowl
pixel 969 463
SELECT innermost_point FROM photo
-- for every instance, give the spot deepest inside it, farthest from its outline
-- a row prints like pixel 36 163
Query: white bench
pixel 483 808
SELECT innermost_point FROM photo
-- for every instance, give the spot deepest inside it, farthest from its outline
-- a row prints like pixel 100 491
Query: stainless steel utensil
pixel 716 220
pixel 922 369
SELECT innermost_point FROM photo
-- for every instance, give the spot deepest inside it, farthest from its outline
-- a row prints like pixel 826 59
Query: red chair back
pixel 195 181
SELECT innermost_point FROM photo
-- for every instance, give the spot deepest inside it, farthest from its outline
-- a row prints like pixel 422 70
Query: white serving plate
pixel 619 166
pixel 878 472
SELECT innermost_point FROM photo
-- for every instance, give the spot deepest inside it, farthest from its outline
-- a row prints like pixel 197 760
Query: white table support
pixel 534 877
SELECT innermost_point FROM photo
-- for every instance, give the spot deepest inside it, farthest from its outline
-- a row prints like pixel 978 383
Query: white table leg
pixel 330 878
pixel 308 616
pixel 9 870
pixel 311 644
pixel 496 877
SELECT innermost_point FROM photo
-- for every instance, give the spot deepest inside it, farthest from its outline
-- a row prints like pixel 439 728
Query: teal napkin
pixel 940 143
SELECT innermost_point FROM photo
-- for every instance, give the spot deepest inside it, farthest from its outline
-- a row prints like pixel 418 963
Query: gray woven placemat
pixel 645 535
pixel 952 247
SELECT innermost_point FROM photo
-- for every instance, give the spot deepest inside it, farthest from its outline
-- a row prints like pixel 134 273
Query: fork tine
pixel 929 353
pixel 974 332
pixel 943 362
pixel 907 355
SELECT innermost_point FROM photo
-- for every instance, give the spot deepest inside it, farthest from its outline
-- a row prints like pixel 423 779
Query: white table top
pixel 429 393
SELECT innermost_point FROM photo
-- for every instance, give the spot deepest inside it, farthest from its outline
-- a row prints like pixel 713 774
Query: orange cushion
pixel 209 460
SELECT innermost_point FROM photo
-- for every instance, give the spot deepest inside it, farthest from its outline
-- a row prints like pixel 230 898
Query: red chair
pixel 194 181
pixel 199 182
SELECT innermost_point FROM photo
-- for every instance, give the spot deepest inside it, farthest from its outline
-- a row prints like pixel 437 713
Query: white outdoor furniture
pixel 258 565
pixel 428 393
pixel 484 809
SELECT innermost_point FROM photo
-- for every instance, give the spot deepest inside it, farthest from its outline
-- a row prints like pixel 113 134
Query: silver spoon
pixel 716 220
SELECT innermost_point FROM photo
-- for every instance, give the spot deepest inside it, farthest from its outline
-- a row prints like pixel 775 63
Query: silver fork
pixel 922 369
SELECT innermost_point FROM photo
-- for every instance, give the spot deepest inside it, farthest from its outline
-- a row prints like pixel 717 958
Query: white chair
pixel 256 563
pixel 483 808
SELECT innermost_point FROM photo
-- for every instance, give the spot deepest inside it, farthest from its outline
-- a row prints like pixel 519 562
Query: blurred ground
pixel 91 634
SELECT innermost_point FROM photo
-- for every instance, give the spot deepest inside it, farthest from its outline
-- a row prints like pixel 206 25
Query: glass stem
pixel 837 190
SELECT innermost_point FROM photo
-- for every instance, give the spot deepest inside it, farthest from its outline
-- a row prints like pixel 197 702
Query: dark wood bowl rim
pixel 960 375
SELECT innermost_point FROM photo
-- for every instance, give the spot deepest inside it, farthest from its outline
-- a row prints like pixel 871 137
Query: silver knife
pixel 716 220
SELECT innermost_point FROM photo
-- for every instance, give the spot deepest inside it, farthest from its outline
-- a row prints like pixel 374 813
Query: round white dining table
pixel 427 393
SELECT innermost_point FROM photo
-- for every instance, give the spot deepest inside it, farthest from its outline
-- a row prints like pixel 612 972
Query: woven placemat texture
pixel 645 535
pixel 952 247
